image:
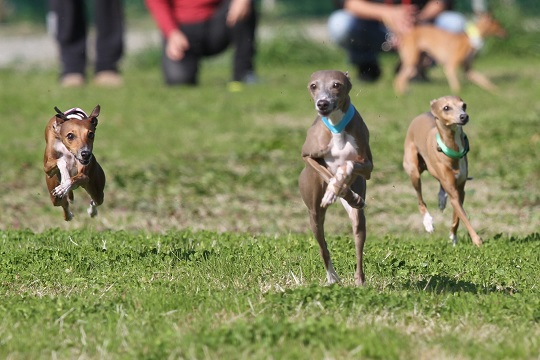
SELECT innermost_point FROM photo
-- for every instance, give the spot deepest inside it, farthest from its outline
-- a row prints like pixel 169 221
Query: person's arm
pixel 163 14
pixel 431 10
pixel 238 10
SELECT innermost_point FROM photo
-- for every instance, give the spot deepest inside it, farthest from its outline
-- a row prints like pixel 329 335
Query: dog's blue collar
pixel 451 153
pixel 336 129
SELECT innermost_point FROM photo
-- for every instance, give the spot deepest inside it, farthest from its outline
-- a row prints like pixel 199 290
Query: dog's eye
pixel 90 135
pixel 464 107
pixel 336 85
pixel 313 86
pixel 70 136
pixel 446 108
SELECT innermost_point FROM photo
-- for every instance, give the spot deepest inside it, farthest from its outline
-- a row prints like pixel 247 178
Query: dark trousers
pixel 209 38
pixel 71 29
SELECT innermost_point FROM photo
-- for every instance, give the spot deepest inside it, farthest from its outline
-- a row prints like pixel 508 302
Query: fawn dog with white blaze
pixel 435 142
pixel 338 162
pixel 69 161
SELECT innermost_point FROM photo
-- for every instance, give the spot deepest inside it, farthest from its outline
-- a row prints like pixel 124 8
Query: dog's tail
pixel 442 198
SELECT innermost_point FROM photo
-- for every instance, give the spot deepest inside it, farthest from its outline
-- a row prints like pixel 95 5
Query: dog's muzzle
pixel 85 157
pixel 324 107
pixel 464 119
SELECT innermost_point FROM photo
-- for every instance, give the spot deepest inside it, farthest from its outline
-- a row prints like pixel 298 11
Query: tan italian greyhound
pixel 69 161
pixel 451 50
pixel 337 163
pixel 436 142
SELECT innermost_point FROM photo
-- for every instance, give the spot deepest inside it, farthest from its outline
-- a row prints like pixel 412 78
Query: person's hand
pixel 400 19
pixel 238 10
pixel 177 45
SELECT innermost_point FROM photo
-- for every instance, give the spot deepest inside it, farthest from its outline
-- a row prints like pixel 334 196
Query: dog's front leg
pixel 50 167
pixel 363 169
pixel 337 186
pixel 65 180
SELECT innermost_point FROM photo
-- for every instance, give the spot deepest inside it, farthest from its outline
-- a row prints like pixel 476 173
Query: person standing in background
pixel 193 29
pixel 68 23
pixel 363 26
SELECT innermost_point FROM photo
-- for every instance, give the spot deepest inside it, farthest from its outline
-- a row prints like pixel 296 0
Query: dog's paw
pixel 428 223
pixel 68 215
pixel 92 209
pixel 329 198
pixel 453 237
pixel 61 190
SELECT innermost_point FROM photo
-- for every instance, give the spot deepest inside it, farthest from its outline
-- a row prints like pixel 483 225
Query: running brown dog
pixel 69 161
pixel 436 142
pixel 338 162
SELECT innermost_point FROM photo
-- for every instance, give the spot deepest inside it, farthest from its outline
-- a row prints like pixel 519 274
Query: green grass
pixel 201 249
pixel 224 295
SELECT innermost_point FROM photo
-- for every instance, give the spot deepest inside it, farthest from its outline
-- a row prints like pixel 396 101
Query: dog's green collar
pixel 336 129
pixel 451 153
pixel 474 35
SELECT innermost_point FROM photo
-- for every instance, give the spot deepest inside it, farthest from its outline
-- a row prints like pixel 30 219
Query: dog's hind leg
pixel 480 80
pixel 94 188
pixel 312 188
pixel 359 230
pixel 443 196
pixel 457 196
pixel 316 219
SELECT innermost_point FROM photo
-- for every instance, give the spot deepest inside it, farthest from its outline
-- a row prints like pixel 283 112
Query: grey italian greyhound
pixel 436 142
pixel 338 162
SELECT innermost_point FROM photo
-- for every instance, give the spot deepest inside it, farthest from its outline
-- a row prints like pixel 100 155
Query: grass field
pixel 202 249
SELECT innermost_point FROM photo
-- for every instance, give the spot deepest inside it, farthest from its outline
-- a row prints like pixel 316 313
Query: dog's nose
pixel 86 154
pixel 323 105
pixel 464 118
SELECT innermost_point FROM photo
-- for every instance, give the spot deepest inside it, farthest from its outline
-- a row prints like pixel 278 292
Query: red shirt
pixel 168 14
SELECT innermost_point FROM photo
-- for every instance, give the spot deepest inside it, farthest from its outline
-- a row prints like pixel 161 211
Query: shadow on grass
pixel 445 284
pixel 180 254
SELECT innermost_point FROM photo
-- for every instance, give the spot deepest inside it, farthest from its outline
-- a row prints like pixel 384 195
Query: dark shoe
pixel 250 78
pixel 369 72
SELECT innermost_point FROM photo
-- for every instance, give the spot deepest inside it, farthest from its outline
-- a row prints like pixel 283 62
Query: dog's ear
pixel 60 114
pixel 60 118
pixel 432 105
pixel 349 82
pixel 94 115
pixel 95 112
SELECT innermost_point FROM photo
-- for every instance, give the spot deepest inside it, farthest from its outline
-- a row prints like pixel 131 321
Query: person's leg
pixel 69 27
pixel 185 71
pixel 361 38
pixel 452 21
pixel 109 19
pixel 241 35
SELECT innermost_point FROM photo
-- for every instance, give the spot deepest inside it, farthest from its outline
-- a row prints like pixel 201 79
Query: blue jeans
pixel 363 38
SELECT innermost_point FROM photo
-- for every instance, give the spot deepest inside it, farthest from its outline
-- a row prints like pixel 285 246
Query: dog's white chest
pixel 342 148
pixel 67 158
